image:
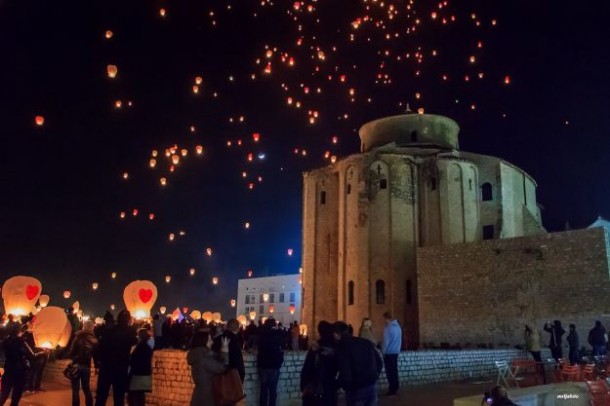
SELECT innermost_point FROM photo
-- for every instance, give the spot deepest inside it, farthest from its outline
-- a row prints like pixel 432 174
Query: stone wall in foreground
pixel 172 384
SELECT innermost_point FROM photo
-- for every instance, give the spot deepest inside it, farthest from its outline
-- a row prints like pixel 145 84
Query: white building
pixel 272 296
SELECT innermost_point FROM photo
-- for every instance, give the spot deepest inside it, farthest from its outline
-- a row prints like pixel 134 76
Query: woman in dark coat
pixel 140 370
pixel 318 376
pixel 18 357
pixel 81 352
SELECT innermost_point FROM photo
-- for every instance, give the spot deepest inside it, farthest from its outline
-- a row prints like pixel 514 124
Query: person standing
pixel 236 358
pixel 359 365
pixel 205 364
pixel 598 338
pixel 269 360
pixel 158 331
pixel 319 372
pixel 33 377
pixel 295 332
pixel 366 331
pixel 532 343
pixel 556 332
pixel 114 349
pixel 573 343
pixel 390 348
pixel 81 352
pixel 18 355
pixel 140 370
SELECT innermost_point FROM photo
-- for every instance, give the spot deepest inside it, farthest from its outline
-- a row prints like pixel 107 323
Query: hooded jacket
pixel 392 338
pixel 83 347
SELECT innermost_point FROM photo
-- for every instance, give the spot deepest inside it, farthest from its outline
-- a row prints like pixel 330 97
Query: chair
pixel 506 374
pixel 528 368
pixel 570 373
pixel 600 396
pixel 589 373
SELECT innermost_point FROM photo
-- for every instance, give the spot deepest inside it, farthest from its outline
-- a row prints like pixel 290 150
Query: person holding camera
pixel 556 332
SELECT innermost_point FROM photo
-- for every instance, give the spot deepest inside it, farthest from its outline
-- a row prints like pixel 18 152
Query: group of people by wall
pixel 597 339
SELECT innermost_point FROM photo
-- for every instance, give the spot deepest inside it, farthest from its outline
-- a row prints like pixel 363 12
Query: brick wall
pixel 485 292
pixel 172 384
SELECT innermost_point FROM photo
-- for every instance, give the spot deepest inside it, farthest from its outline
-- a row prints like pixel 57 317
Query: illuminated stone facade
pixel 365 216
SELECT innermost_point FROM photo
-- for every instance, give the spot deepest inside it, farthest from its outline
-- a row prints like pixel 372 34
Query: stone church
pixel 394 227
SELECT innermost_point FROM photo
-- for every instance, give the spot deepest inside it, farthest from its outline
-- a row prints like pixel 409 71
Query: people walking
pixel 532 343
pixel 140 370
pixel 114 350
pixel 17 360
pixel 598 339
pixel 269 360
pixel 390 348
pixel 557 333
pixel 573 343
pixel 319 372
pixel 366 331
pixel 205 364
pixel 81 353
pixel 359 365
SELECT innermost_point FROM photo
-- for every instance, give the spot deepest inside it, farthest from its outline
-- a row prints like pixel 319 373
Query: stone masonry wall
pixel 172 384
pixel 485 292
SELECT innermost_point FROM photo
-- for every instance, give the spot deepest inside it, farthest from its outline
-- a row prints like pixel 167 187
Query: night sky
pixel 535 94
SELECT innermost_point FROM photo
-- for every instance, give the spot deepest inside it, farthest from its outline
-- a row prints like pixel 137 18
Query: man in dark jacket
pixel 359 365
pixel 236 358
pixel 269 361
pixel 598 339
pixel 18 355
pixel 114 349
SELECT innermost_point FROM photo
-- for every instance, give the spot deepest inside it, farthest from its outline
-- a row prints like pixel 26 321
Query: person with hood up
pixel 81 353
pixel 598 338
pixel 390 348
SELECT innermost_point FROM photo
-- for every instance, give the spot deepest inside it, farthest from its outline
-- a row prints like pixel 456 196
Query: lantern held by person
pixel 216 317
pixel 195 315
pixel 139 297
pixel 51 328
pixel 242 319
pixel 207 316
pixel 252 315
pixel 20 294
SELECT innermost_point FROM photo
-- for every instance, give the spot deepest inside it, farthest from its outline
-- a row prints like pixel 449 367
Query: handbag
pixel 140 383
pixel 71 371
pixel 228 388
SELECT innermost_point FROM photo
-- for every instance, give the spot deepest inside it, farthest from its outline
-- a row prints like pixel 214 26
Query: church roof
pixel 601 222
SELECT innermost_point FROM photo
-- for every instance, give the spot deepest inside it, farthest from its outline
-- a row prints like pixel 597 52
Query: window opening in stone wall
pixel 322 197
pixel 486 192
pixel 349 188
pixel 524 193
pixel 292 297
pixel 261 309
pixel 413 136
pixel 281 298
pixel 272 298
pixel 380 292
pixel 469 184
pixel 247 299
pixel 350 293
pixel 261 299
pixel 383 183
pixel 433 183
pixel 488 232
pixel 409 293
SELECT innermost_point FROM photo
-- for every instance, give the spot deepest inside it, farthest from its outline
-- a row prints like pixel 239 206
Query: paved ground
pixel 434 395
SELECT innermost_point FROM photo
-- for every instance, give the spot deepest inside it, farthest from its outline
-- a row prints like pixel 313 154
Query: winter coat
pixel 204 366
pixel 597 336
pixel 392 338
pixel 556 333
pixel 319 373
pixel 236 358
pixel 359 363
pixel 83 347
pixel 270 354
pixel 140 361
pixel 532 341
pixel 18 355
pixel 115 348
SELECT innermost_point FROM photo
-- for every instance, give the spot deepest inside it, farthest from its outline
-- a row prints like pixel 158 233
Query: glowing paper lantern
pixel 152 163
pixel 216 317
pixel 162 309
pixel 151 216
pixel 195 315
pixel 139 297
pixel 75 307
pixel 215 280
pixel 168 279
pixel 109 34
pixel 303 329
pixel 43 301
pixel 98 321
pixel 289 252
pixel 39 120
pixel 271 309
pixel 51 328
pixel 233 302
pixel 207 316
pixel 265 297
pixel 163 181
pixel 192 271
pixel 112 306
pixel 185 309
pixel 242 319
pixel 208 251
pixel 67 294
pixel 176 315
pixel 252 315
pixel 198 80
pixel 94 285
pixel 175 159
pixel 199 149
pixel 112 71
pixel 113 275
pixel 20 294
pixel 250 272
pixel 292 308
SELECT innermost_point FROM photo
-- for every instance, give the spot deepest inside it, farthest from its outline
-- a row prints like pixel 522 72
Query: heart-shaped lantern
pixel 20 294
pixel 139 297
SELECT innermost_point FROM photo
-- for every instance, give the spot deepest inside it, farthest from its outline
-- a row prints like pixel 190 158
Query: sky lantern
pixel 152 163
pixel 43 301
pixel 176 315
pixel 172 236
pixel 507 80
pixel 175 159
pixel 184 152
pixel 162 12
pixel 195 315
pixel 51 328
pixel 113 275
pixel 207 316
pixel 151 216
pixel 256 137
pixel 216 317
pixel 94 285
pixel 75 307
pixel 20 294
pixel 162 309
pixel 168 279
pixel 185 309
pixel 265 297
pixel 163 181
pixel 208 251
pixel 303 330
pixel 195 89
pixel 233 302
pixel 292 308
pixel 139 297
pixel 122 215
pixel 199 149
pixel 252 315
pixel 134 212
pixel 192 271
pixel 39 120
pixel 118 104
pixel 112 71
pixel 109 34
pixel 198 80
pixel 67 294
pixel 289 251
pixel 271 309
pixel 250 273
pixel 215 280
pixel 125 175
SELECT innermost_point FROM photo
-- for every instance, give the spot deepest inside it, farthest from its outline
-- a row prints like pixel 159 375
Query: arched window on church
pixel 322 197
pixel 380 292
pixel 350 293
pixel 413 136
pixel 486 192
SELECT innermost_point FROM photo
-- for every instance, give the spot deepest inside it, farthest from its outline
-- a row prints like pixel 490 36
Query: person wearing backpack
pixel 81 353
pixel 318 376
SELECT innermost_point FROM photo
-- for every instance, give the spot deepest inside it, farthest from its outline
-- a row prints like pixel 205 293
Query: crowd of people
pixel 121 350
